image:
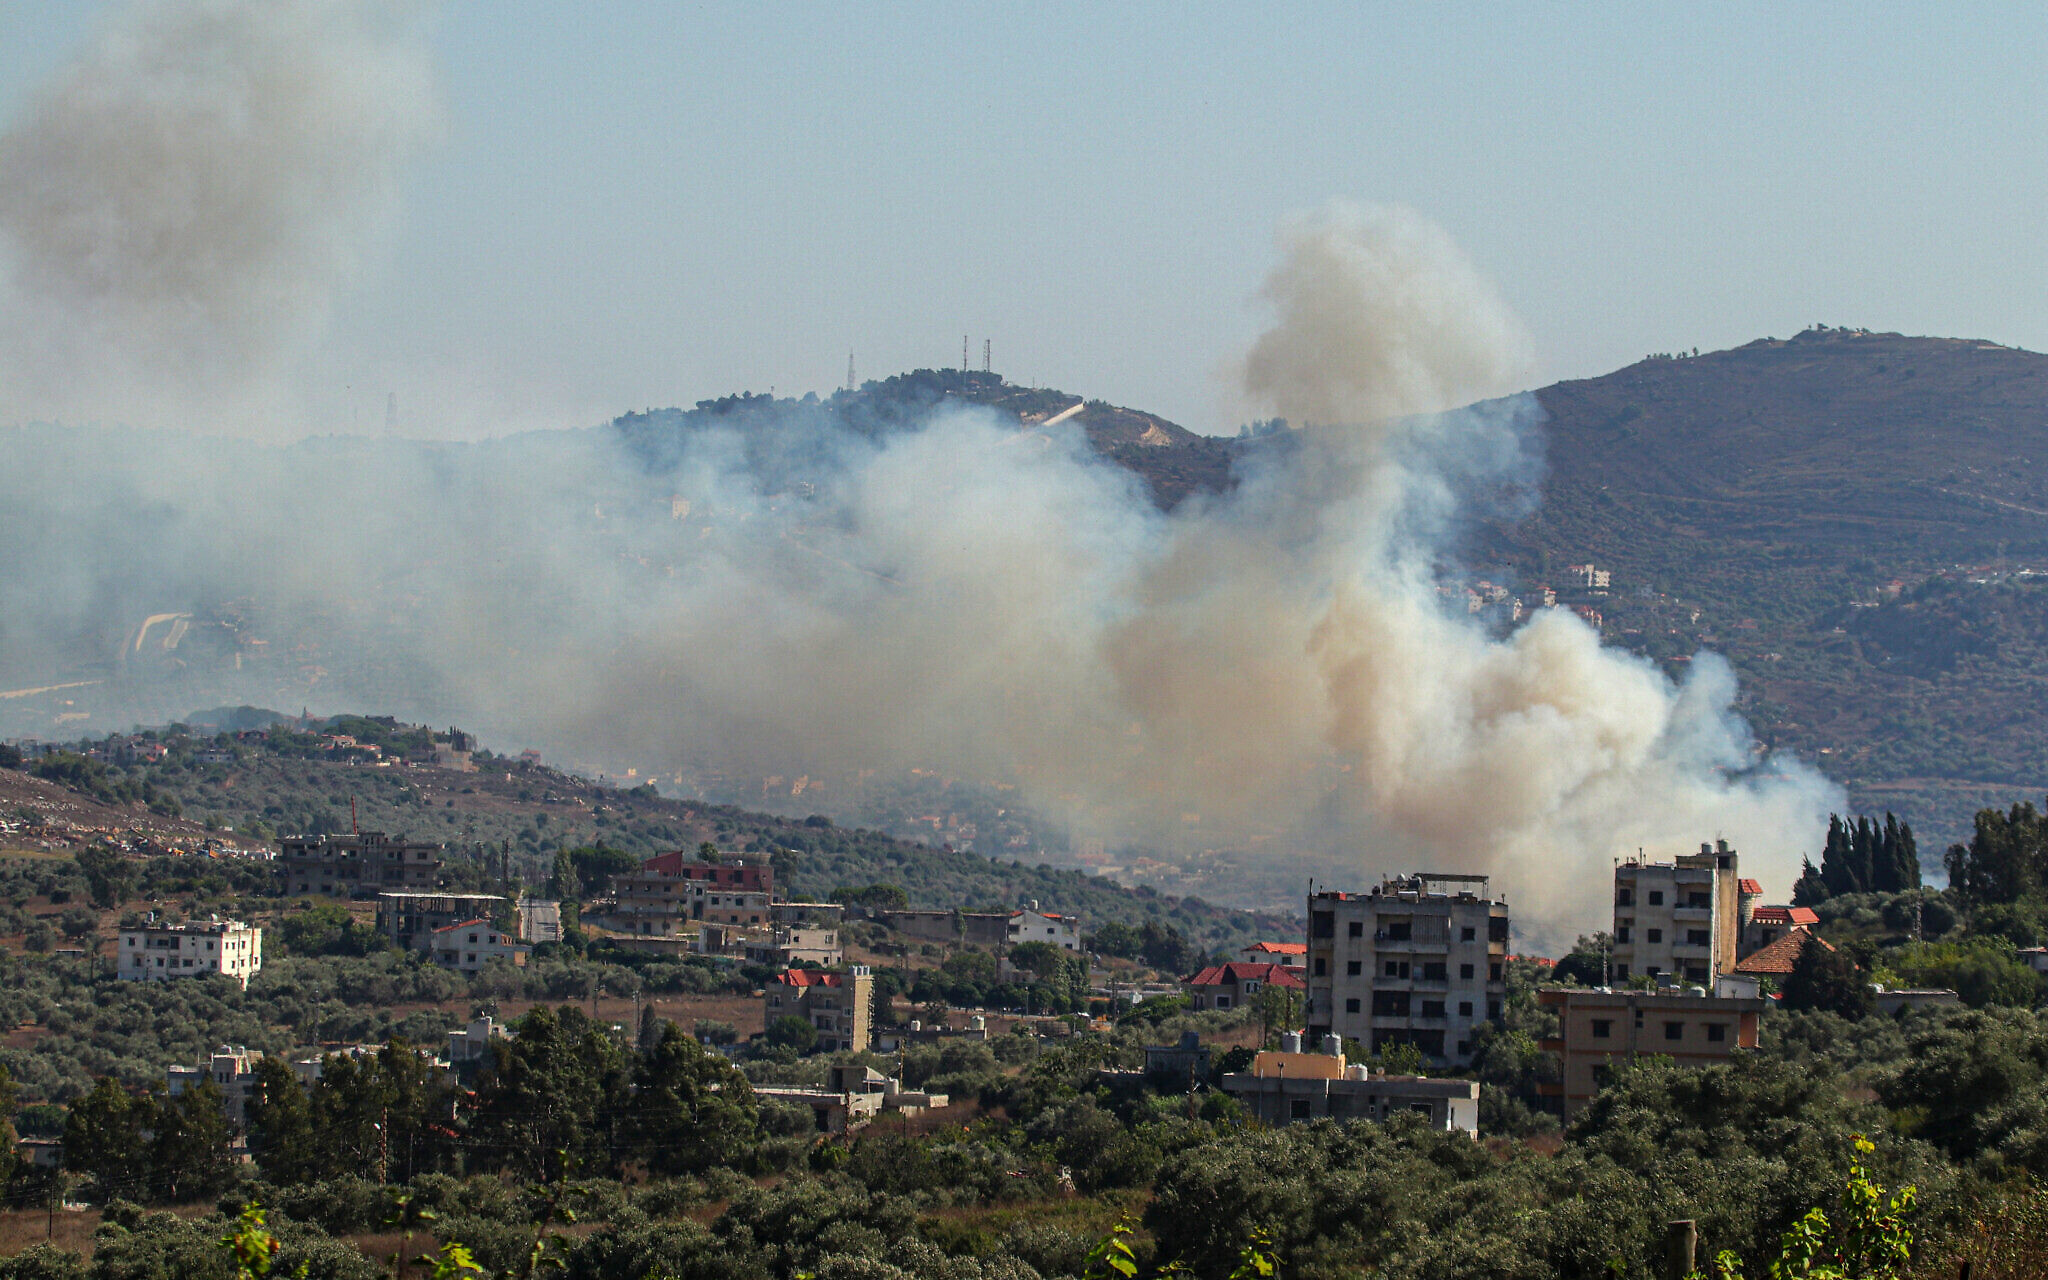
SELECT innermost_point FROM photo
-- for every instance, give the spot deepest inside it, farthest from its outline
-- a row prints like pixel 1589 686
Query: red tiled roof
pixel 1238 971
pixel 1280 948
pixel 1750 887
pixel 1779 958
pixel 808 978
pixel 1786 915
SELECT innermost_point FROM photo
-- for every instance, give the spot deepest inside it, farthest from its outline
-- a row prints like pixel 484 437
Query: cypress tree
pixel 1810 889
pixel 1835 869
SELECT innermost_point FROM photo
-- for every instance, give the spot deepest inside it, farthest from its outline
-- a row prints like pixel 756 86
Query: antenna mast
pixel 849 371
pixel 963 353
pixel 984 355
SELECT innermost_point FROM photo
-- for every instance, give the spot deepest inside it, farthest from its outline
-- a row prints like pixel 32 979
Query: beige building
pixel 1602 1029
pixel 1420 960
pixel 162 952
pixel 232 1070
pixel 669 897
pixel 853 1096
pixel 1292 1087
pixel 838 1005
pixel 1677 919
pixel 470 945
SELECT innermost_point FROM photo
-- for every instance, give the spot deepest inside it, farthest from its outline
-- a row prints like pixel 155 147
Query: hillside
pixel 1856 520
pixel 293 782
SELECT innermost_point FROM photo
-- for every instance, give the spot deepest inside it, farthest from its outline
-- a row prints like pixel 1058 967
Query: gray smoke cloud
pixel 181 205
pixel 782 588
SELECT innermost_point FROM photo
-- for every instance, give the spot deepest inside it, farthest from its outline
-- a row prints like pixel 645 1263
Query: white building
pixel 472 944
pixel 473 1042
pixel 1678 919
pixel 1420 960
pixel 1039 926
pixel 161 952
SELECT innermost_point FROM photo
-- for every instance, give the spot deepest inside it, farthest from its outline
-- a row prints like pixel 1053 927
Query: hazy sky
pixel 648 204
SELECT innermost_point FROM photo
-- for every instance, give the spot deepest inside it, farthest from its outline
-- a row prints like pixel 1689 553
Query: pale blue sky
pixel 644 204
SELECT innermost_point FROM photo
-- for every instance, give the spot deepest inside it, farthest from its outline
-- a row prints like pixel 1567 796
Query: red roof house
pixel 1226 986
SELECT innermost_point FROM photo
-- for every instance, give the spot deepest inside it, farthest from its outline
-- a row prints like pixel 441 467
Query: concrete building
pixel 1183 1065
pixel 853 1096
pixel 1891 1001
pixel 1601 1029
pixel 836 1004
pixel 1289 1086
pixel 1420 960
pixel 1679 918
pixel 1236 984
pixel 470 945
pixel 974 928
pixel 362 862
pixel 1042 926
pixel 670 897
pixel 1288 955
pixel 790 944
pixel 472 1044
pixel 409 920
pixel 162 952
pixel 231 1069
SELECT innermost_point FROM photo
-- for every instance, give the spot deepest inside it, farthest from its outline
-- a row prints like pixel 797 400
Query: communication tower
pixel 984 355
pixel 963 353
pixel 849 371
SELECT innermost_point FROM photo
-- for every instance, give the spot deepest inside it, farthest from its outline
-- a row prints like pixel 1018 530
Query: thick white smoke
pixel 180 206
pixel 770 589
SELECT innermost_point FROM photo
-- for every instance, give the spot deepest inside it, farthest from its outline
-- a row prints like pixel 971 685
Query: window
pixel 1464 1011
pixel 1323 925
pixel 1621 933
pixel 1603 1028
pixel 1465 972
pixel 1399 931
pixel 1393 970
pixel 1621 972
pixel 1674 1031
pixel 1298 1109
pixel 1656 897
pixel 1322 967
pixel 1655 935
pixel 1357 929
pixel 1464 1047
pixel 1624 898
pixel 1468 934
pixel 1222 1002
pixel 1432 1008
pixel 1354 968
pixel 1493 1009
pixel 1351 1005
pixel 1696 937
pixel 1717 1033
pixel 1433 971
pixel 1493 973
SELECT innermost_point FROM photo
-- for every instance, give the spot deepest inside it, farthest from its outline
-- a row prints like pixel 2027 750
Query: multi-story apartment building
pixel 1603 1028
pixel 1420 960
pixel 669 897
pixel 358 862
pixel 837 1004
pixel 163 952
pixel 1677 919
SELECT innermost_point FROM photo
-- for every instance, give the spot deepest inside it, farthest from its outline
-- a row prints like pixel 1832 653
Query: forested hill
pixel 299 782
pixel 1859 521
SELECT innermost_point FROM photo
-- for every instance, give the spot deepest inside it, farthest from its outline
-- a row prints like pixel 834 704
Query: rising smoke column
pixel 181 205
pixel 178 210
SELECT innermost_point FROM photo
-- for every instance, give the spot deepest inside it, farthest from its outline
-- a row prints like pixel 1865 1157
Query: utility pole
pixel 984 355
pixel 963 353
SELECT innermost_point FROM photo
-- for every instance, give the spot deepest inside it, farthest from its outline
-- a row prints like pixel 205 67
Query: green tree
pixel 103 1141
pixel 188 1156
pixel 548 1104
pixel 691 1109
pixel 109 877
pixel 284 1132
pixel 792 1032
pixel 1826 978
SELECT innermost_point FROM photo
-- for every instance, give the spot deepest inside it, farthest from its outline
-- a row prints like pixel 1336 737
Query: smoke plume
pixel 181 205
pixel 787 587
